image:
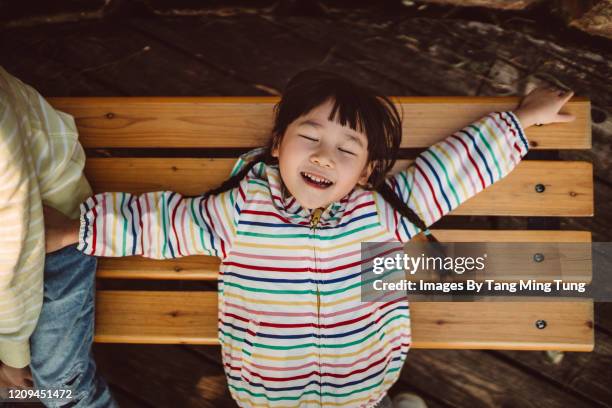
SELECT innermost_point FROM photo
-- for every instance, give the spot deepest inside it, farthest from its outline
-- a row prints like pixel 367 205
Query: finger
pixel 531 87
pixel 18 382
pixel 23 379
pixel 565 117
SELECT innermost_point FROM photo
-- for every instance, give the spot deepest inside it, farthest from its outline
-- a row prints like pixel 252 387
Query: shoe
pixel 408 400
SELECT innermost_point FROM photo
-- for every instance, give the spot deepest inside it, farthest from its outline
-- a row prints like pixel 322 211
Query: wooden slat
pixel 136 267
pixel 569 184
pixel 207 267
pixel 503 325
pixel 247 121
pixel 156 317
pixel 191 317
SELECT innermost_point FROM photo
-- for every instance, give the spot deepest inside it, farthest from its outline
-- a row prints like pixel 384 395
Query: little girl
pixel 288 226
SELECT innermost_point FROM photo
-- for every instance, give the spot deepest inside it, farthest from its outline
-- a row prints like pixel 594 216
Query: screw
pixel 540 188
pixel 110 115
pixel 538 257
pixel 540 324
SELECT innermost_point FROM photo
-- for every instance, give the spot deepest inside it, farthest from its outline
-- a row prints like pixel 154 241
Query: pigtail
pixel 396 202
pixel 234 181
pixel 389 195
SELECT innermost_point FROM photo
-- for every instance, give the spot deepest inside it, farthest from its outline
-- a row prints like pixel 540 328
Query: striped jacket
pixel 292 326
pixel 41 160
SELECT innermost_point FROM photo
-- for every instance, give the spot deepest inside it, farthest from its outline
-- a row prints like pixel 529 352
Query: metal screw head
pixel 540 188
pixel 538 257
pixel 540 324
pixel 110 115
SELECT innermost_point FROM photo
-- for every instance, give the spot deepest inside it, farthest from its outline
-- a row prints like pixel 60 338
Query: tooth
pixel 317 179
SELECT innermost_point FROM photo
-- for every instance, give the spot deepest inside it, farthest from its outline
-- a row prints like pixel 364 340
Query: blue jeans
pixel 61 343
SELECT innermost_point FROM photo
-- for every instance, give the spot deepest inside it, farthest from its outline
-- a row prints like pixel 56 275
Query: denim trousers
pixel 61 343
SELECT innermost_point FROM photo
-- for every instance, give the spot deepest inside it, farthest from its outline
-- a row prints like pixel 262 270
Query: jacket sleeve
pixel 161 224
pixel 455 169
pixel 19 302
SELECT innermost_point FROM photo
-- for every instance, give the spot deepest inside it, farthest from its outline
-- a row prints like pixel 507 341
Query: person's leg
pixel 61 343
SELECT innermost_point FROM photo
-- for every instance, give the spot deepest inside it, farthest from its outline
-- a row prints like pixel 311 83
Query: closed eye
pixel 346 151
pixel 316 140
pixel 309 138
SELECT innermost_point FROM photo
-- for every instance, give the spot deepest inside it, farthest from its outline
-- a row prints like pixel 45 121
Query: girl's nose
pixel 321 159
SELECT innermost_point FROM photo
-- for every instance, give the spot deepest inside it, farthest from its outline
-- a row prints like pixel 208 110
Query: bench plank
pixel 247 121
pixel 191 318
pixel 513 195
pixel 207 267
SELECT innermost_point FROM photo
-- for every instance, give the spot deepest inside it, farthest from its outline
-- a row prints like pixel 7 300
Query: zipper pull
pixel 316 215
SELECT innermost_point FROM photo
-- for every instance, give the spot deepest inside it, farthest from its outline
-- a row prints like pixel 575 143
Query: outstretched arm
pixel 156 225
pixel 462 165
pixel 159 224
pixel 457 168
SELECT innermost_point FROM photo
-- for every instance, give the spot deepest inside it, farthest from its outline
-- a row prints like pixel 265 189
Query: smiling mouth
pixel 315 181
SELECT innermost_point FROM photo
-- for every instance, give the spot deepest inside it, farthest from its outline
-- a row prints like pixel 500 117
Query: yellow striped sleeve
pixel 19 304
pixel 40 161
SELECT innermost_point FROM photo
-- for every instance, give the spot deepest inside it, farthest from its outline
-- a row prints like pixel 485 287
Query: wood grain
pixel 207 267
pixel 586 372
pixel 568 184
pixel 247 121
pixel 164 376
pixel 191 317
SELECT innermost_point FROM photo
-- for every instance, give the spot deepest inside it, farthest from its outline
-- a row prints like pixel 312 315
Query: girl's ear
pixel 365 174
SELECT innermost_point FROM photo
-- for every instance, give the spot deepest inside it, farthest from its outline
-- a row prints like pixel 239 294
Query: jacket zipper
pixel 314 222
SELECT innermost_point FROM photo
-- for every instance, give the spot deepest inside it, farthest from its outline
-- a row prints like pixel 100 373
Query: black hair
pixel 358 106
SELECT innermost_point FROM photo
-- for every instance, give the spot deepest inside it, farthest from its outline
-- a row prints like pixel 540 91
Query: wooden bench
pixel 231 123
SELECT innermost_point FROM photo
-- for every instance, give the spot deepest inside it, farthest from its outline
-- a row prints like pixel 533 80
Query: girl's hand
pixel 15 377
pixel 542 105
pixel 60 231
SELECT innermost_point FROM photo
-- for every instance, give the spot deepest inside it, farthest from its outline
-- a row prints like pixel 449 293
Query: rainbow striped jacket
pixel 293 329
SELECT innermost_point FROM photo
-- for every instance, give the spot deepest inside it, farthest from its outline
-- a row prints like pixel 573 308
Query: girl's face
pixel 314 146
